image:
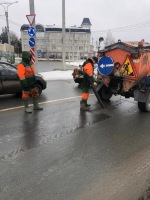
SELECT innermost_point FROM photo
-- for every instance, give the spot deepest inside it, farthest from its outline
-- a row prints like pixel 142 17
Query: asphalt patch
pixel 90 118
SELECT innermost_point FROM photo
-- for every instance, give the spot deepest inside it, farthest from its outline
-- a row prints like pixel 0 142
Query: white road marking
pixel 45 102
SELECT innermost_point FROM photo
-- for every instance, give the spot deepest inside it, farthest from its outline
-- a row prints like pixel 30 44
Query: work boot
pixel 83 106
pixel 26 106
pixel 87 103
pixel 36 104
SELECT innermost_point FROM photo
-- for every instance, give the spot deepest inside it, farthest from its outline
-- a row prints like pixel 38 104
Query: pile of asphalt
pixel 146 195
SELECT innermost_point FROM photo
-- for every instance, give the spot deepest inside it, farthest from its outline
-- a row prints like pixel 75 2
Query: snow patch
pixel 57 75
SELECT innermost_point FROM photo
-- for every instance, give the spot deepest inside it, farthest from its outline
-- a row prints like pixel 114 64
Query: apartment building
pixel 49 40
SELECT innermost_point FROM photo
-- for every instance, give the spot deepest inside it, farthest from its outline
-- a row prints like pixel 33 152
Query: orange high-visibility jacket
pixel 25 71
pixel 88 68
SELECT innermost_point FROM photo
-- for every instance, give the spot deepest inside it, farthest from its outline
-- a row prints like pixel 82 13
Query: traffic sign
pixel 33 55
pixel 31 31
pixel 31 19
pixel 105 65
pixel 127 69
pixel 32 42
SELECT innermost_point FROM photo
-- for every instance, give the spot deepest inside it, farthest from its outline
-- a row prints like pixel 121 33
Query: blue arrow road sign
pixel 31 31
pixel 32 42
pixel 105 65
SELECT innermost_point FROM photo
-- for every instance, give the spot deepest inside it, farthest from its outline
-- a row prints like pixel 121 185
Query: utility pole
pixel 69 45
pixel 78 56
pixel 8 33
pixel 32 12
pixel 63 35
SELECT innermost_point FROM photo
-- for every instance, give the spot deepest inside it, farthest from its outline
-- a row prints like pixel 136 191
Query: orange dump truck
pixel 125 70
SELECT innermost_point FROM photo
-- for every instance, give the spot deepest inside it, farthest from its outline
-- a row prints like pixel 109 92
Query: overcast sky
pixel 132 15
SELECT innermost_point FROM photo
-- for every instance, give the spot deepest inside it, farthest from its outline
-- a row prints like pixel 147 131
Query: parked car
pixel 51 56
pixel 9 80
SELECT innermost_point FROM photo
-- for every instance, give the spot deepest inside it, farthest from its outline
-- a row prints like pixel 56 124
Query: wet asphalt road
pixel 61 153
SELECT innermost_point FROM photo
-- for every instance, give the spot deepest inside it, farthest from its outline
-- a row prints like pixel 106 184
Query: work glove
pixel 34 92
pixel 80 71
pixel 26 87
pixel 95 84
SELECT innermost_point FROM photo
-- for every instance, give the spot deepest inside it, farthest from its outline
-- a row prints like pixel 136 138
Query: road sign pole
pixel 32 12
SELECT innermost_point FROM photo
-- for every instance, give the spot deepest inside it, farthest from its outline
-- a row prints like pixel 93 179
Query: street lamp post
pixel 6 14
pixel 63 34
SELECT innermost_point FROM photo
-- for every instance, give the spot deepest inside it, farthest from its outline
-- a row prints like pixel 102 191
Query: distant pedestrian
pixel 26 75
pixel 88 68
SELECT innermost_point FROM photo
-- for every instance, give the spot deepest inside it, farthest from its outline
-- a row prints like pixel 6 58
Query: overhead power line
pixel 11 21
pixel 126 28
pixel 118 29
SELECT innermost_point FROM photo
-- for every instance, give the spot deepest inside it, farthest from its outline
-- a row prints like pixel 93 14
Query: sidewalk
pixel 60 74
pixel 57 75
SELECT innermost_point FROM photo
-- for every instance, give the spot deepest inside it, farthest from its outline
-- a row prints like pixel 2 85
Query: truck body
pixel 125 70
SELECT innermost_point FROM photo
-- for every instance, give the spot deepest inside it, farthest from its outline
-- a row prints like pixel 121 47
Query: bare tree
pixel 13 38
pixel 109 38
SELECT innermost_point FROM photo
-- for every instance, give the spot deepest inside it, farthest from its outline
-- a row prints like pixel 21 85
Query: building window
pixel 80 48
pixel 52 34
pixel 39 28
pixel 54 47
pixel 59 34
pixel 26 46
pixel 25 40
pixel 58 41
pixel 43 46
pixel 59 48
pixel 75 48
pixel 75 41
pixel 66 41
pixel 25 33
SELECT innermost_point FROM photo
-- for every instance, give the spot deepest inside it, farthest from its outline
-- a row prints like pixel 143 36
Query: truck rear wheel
pixel 104 93
pixel 144 106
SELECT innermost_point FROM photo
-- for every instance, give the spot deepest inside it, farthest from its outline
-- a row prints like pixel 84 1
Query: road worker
pixel 88 68
pixel 26 75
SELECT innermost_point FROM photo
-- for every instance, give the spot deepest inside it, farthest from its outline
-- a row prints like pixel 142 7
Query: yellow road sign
pixel 126 69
